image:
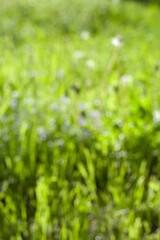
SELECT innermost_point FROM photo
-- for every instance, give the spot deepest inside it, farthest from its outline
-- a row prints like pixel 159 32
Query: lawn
pixel 79 120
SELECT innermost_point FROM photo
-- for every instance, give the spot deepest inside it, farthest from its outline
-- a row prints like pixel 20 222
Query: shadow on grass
pixel 146 1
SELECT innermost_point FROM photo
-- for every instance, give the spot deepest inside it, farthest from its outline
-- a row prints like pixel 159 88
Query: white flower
pixel 99 237
pixel 51 122
pixel 121 136
pixel 117 41
pixel 117 147
pixel 28 101
pixel 156 116
pixel 126 79
pixel 130 124
pixel 78 54
pixel 156 152
pixel 60 142
pixel 121 154
pixel 115 1
pixel 85 35
pixel 122 211
pixel 90 63
pixel 60 74
pixel 50 144
pixel 97 102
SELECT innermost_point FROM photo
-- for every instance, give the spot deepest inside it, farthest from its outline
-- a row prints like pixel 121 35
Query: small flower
pixel 60 142
pixel 121 136
pixel 105 133
pixel 61 161
pixel 95 114
pixel 122 212
pixel 15 94
pixel 117 147
pixel 4 118
pixel 50 144
pixel 118 123
pixel 97 102
pixel 54 107
pixel 60 74
pixel 108 114
pixel 42 134
pixel 121 154
pixel 67 123
pixel 32 74
pixel 156 152
pixel 6 137
pixel 86 132
pixel 82 121
pixel 156 116
pixel 98 237
pixel 85 35
pixel 28 101
pixel 115 1
pixel 83 106
pixel 78 54
pixel 13 104
pixel 130 124
pixel 90 63
pixel 51 122
pixel 64 99
pixel 117 41
pixel 126 79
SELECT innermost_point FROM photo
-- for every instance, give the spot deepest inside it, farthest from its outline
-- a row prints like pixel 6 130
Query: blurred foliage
pixel 79 120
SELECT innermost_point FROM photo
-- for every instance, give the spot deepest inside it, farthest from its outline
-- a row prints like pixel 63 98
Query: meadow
pixel 79 120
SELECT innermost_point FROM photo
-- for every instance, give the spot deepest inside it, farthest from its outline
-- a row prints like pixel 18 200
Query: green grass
pixel 79 120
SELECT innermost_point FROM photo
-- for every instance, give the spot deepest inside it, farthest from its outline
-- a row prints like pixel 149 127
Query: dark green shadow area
pixel 157 2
